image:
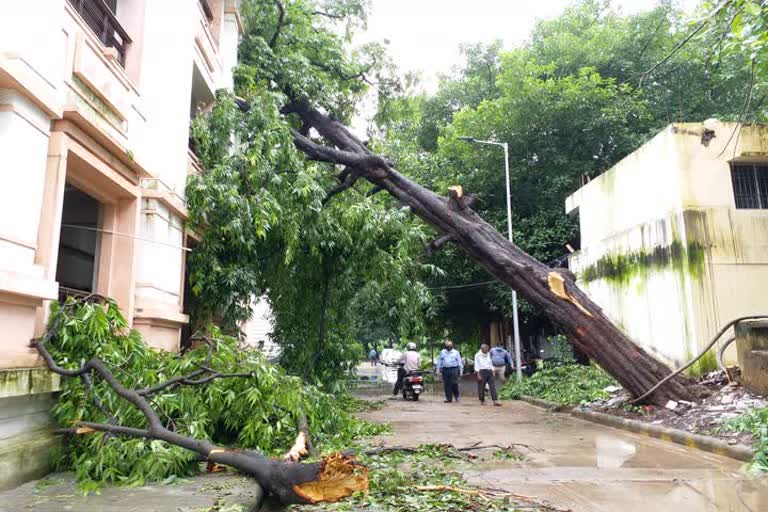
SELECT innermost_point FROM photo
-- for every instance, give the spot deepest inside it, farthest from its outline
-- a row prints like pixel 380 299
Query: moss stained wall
pixel 621 268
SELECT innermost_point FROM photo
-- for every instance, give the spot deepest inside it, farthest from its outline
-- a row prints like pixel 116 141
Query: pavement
pixel 573 464
pixel 220 492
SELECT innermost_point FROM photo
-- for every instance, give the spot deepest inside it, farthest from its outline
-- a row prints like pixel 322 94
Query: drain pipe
pixel 701 354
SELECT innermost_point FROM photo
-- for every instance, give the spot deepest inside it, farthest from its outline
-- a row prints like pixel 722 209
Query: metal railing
pixel 207 9
pixel 100 18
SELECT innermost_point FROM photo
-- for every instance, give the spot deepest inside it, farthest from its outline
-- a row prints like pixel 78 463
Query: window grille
pixel 750 185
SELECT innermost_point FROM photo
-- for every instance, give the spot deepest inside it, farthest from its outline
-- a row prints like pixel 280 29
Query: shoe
pixel 457 399
pixel 497 404
pixel 447 401
pixel 482 402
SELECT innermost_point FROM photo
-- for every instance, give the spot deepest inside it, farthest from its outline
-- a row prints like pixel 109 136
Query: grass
pixel 570 384
pixel 756 423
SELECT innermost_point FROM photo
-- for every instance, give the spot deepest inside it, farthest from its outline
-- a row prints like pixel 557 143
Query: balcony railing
pixel 98 16
pixel 207 9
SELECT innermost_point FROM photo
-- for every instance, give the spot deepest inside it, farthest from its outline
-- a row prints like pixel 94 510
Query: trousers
pixel 451 383
pixel 486 377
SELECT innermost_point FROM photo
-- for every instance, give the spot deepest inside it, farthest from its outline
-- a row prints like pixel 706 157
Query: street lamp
pixel 515 323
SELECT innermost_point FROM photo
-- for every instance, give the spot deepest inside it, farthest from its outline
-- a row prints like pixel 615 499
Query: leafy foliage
pixel 569 384
pixel 327 270
pixel 755 422
pixel 258 412
pixel 738 27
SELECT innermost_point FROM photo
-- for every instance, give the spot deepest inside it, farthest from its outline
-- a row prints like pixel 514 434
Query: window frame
pixel 758 185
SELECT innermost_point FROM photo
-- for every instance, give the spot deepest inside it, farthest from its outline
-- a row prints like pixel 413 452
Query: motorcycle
pixel 413 386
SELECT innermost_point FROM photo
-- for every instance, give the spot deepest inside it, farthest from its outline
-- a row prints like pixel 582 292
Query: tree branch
pixel 437 244
pixel 280 23
pixel 283 479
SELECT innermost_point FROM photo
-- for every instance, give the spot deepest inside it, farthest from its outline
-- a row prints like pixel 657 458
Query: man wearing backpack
pixel 500 359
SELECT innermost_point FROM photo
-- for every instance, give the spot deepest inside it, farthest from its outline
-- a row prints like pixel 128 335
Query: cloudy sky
pixel 425 35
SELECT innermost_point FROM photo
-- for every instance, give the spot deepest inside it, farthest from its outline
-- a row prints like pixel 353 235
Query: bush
pixel 569 384
pixel 258 412
pixel 756 423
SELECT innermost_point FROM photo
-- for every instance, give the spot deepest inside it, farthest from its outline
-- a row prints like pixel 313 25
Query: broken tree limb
pixel 302 447
pixel 283 479
pixel 581 320
pixel 437 244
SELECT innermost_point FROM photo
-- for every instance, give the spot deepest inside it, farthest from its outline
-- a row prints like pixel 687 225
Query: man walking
pixel 484 369
pixel 451 366
pixel 500 359
pixel 373 356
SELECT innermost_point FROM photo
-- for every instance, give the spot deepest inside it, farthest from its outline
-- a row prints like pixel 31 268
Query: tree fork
pixel 557 294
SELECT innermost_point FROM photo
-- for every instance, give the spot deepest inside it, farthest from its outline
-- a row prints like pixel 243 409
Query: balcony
pixel 206 9
pixel 100 18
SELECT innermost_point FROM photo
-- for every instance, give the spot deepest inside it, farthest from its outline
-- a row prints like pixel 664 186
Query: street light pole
pixel 515 323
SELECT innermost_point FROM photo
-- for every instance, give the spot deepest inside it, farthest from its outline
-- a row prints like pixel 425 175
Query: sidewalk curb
pixel 698 441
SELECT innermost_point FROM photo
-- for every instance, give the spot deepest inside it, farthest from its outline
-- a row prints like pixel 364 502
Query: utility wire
pixel 554 263
pixel 127 235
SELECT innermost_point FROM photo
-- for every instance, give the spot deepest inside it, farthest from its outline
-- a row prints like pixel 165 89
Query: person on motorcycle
pixel 409 362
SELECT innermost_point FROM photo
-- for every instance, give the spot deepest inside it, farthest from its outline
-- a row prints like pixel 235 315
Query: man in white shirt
pixel 484 370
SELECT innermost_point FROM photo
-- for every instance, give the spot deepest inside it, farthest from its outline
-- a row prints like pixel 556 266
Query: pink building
pixel 96 98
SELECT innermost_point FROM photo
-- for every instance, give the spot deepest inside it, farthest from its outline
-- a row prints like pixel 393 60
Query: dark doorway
pixel 78 243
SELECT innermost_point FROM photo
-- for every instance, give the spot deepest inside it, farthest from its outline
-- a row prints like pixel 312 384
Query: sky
pixel 424 35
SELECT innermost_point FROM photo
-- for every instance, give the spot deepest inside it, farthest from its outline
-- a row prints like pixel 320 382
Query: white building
pixel 674 238
pixel 96 98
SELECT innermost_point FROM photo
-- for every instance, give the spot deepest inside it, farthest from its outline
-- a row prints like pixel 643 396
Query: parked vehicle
pixel 413 386
pixel 527 365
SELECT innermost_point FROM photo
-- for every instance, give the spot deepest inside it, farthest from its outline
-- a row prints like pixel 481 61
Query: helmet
pixel 411 346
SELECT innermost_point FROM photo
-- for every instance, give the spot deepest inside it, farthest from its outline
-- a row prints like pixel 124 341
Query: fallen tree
pixel 331 479
pixel 556 292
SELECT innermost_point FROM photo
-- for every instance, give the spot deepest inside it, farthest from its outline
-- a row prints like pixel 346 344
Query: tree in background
pixel 587 89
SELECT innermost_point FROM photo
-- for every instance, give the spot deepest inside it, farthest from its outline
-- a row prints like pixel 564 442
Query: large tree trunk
pixel 557 294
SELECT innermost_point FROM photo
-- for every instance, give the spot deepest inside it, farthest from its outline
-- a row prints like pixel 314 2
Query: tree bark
pixel 557 294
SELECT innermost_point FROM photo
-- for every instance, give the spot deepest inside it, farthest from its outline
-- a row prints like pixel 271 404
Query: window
pixel 750 185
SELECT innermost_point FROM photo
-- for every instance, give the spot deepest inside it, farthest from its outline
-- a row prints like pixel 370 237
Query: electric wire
pixel 127 235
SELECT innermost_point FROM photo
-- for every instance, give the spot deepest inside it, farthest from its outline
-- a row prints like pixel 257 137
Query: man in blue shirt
pixel 451 366
pixel 500 359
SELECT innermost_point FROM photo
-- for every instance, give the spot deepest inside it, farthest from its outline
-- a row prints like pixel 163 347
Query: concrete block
pixel 752 348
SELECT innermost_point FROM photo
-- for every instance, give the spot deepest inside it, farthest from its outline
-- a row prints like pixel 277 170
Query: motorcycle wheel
pixel 415 398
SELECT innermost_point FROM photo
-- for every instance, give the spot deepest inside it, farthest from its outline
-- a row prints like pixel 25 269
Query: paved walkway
pixel 206 493
pixel 574 464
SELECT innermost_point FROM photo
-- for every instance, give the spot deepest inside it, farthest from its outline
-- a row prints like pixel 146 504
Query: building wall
pixel 71 113
pixel 664 251
pixel 258 329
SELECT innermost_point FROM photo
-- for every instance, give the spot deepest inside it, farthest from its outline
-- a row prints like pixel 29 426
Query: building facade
pixel 674 238
pixel 96 98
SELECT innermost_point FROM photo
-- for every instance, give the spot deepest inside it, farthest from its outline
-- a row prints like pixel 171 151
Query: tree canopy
pixel 586 90
pixel 268 227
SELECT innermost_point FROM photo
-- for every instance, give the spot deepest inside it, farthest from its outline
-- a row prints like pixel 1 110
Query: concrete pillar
pixel 752 347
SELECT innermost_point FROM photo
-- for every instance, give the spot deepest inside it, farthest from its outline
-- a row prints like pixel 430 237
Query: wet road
pixel 574 464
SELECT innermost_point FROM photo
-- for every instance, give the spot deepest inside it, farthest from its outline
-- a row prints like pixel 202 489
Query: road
pixel 574 464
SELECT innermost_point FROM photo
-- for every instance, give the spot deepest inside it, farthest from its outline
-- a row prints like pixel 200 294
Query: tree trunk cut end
pixel 340 476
